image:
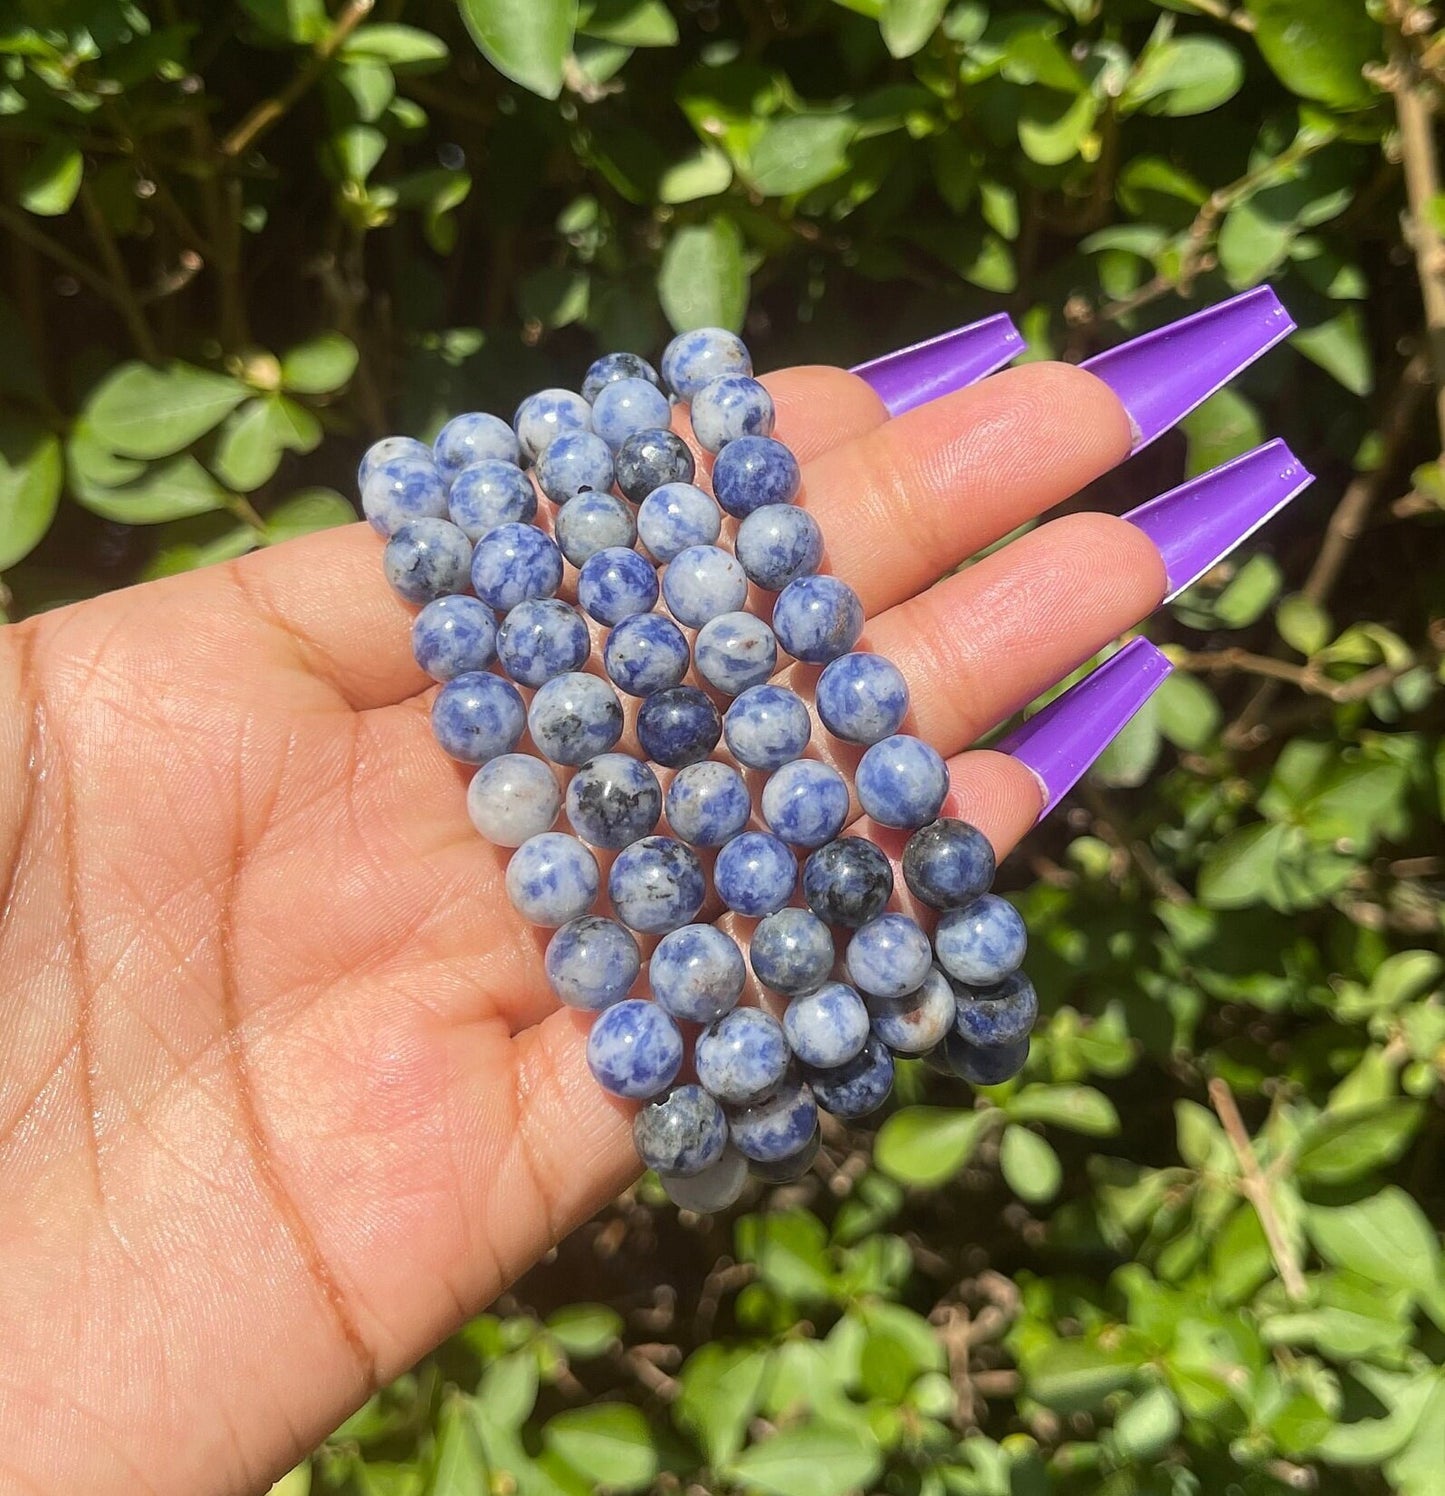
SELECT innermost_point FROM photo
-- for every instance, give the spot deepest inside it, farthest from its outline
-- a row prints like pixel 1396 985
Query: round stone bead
pixel 454 635
pixel 995 1017
pixel 767 727
pixel 678 726
pixel 477 716
pixel 675 516
pixel 612 367
pixel 626 407
pixel 731 407
pixel 981 943
pixel 889 956
pixel 649 460
pixel 388 448
pixel 918 1021
pixel 777 545
pixel 613 800
pixel 806 802
pixel 755 874
pixel 708 803
pixel 542 638
pixel 489 494
pixel 656 885
pixel 857 1088
pixel 983 1067
pixel 792 952
pixel 778 1126
pixel 402 489
pixel 634 1049
pixel 734 651
pixel 847 882
pixel 742 1057
pixel 592 963
pixel 615 584
pixel 552 879
pixel 697 973
pixel 682 1134
pixel 719 1186
pixel 817 619
pixel 701 582
pixel 574 717
pixel 590 523
pixel 575 462
pixel 426 559
pixel 513 563
pixel 474 437
pixel 789 1170
pixel 901 781
pixel 827 1027
pixel 948 864
pixel 753 472
pixel 694 359
pixel 862 698
pixel 543 417
pixel 646 653
pixel 513 798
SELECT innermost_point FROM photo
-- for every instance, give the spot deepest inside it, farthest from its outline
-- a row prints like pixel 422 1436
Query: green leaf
pixel 1148 1425
pixel 799 152
pixel 1075 1375
pixel 1371 1440
pixel 527 40
pixel 1133 751
pixel 1185 75
pixel 1319 48
pixel 1339 347
pixel 1303 624
pixel 703 175
pixel 790 1249
pixel 1227 425
pixel 703 281
pixel 1030 1165
pixel 1249 593
pixel 555 296
pixel 1341 1146
pixel 140 411
pixel 1384 1237
pixel 908 24
pixel 458 1466
pixel 927 1145
pixel 815 1459
pixel 1076 1108
pixel 898 1347
pixel 404 49
pixel 1243 868
pixel 254 438
pixel 295 21
pixel 585 1330
pixel 721 1387
pixel 1054 127
pixel 165 491
pixel 1188 712
pixel 51 179
pixel 31 474
pixel 1202 1143
pixel 629 23
pixel 319 366
pixel 609 1443
pixel 306 512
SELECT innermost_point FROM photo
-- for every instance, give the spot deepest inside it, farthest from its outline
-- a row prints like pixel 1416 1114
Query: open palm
pixel 283 1093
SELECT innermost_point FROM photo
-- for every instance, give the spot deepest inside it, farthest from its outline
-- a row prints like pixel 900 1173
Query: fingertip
pixel 996 793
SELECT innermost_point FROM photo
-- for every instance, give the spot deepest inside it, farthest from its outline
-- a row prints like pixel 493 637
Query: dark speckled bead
pixel 575 717
pixel 794 1167
pixel 994 1017
pixel 857 1088
pixel 648 459
pixel 848 882
pixel 948 863
pixel 679 726
pixel 982 1067
pixel 682 1134
pixel 656 885
pixel 612 800
pixel 792 952
pixel 614 366
pixel 753 472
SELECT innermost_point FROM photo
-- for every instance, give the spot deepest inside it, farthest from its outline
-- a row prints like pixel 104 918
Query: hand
pixel 283 1093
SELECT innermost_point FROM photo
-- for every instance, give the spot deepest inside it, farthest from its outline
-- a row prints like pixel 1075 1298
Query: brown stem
pixel 1150 868
pixel 122 293
pixel 1306 678
pixel 20 225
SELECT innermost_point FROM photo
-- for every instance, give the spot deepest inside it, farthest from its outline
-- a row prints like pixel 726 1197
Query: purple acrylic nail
pixel 1199 523
pixel 1059 742
pixel 1161 376
pixel 914 376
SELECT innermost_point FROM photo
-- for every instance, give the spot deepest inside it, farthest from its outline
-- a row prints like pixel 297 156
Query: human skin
pixel 284 1095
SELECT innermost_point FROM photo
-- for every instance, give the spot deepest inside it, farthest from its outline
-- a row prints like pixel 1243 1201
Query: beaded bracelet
pixel 847 983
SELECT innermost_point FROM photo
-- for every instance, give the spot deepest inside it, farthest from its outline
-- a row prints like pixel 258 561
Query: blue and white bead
pixel 889 956
pixel 543 417
pixel 827 1027
pixel 792 952
pixel 918 1021
pixel 767 727
pixel 996 1017
pixel 754 472
pixel 627 406
pixel 540 639
pixel 948 863
pixel 513 563
pixel 681 1135
pixel 590 523
pixel 694 359
pixel 649 460
pixel 474 437
pixel 552 879
pixel 611 368
pixel 454 635
pixel 817 618
pixel 385 450
pixel 634 1049
pixel 513 798
pixel 402 489
pixel 708 803
pixel 675 516
pixel 862 698
pixel 426 559
pixel 592 963
pixel 981 943
pixel 616 584
pixel 701 582
pixel 983 1067
pixel 646 653
pixel 847 882
pixel 778 1126
pixel 656 885
pixel 857 1088
pixel 613 800
pixel 730 408
pixel 742 1057
pixel 697 973
pixel 574 717
pixel 755 874
pixel 901 781
pixel 678 726
pixel 734 651
pixel 477 716
pixel 794 1167
pixel 576 462
pixel 777 545
pixel 805 802
pixel 489 494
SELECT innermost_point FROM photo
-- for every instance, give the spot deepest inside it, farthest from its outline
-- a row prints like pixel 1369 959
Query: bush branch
pixel 1307 678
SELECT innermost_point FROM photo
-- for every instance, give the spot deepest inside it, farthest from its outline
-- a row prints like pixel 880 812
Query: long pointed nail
pixel 914 376
pixel 1199 523
pixel 1060 742
pixel 1161 376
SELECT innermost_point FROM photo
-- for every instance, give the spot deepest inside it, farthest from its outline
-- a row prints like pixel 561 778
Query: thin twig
pixel 1150 868
pixel 123 295
pixel 20 225
pixel 1255 1188
pixel 1307 678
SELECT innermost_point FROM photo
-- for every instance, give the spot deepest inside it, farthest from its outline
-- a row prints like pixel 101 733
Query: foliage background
pixel 1196 1247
